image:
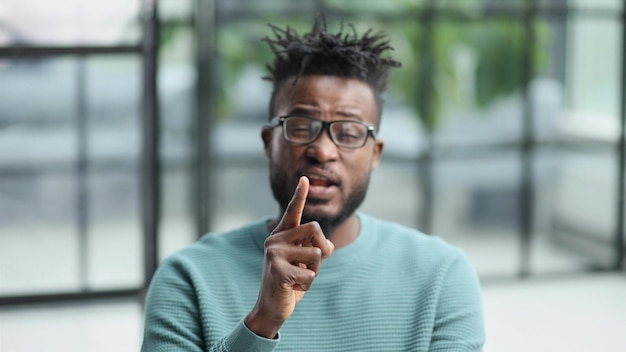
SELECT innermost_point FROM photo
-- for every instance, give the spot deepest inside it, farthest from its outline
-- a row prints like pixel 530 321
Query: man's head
pixel 319 79
pixel 331 54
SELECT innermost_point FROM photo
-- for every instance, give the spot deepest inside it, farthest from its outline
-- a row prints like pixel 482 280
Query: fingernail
pixel 300 181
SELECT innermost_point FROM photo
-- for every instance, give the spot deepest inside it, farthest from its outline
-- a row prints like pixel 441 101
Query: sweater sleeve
pixel 173 319
pixel 459 320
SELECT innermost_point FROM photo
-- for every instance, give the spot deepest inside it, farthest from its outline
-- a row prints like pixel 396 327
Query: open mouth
pixel 320 182
pixel 321 187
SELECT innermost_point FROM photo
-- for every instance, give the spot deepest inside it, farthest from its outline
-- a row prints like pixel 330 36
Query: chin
pixel 318 215
pixel 321 208
pixel 328 220
pixel 324 209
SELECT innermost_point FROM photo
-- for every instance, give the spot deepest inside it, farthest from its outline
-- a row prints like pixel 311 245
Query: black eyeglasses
pixel 300 129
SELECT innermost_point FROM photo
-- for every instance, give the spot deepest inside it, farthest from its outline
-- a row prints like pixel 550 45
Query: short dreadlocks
pixel 323 53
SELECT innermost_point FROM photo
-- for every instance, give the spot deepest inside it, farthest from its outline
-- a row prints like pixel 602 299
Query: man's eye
pixel 347 137
pixel 300 130
pixel 349 133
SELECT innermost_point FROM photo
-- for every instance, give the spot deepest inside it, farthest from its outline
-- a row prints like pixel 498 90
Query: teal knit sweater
pixel 392 289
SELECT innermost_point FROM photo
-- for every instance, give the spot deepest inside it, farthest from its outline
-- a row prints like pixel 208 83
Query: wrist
pixel 261 326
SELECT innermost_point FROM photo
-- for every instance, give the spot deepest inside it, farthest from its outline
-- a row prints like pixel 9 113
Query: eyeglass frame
pixel 280 121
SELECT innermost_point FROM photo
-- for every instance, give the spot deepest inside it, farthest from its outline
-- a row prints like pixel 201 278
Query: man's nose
pixel 322 149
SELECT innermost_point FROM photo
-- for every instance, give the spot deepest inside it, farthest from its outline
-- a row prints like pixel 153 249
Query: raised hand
pixel 293 254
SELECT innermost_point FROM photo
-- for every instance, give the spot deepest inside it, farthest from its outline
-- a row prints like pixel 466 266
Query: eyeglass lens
pixel 344 133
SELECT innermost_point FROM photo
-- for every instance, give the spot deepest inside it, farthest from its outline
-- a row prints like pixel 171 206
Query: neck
pixel 341 236
pixel 346 232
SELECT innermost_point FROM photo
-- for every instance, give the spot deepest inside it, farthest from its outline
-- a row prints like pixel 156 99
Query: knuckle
pixel 271 253
pixel 317 253
pixel 314 231
pixel 274 239
pixel 313 227
pixel 305 281
pixel 276 270
pixel 309 277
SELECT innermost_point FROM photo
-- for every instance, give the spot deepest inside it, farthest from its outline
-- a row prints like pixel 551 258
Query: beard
pixel 283 193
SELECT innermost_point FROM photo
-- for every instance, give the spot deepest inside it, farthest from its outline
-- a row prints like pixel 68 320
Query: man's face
pixel 338 177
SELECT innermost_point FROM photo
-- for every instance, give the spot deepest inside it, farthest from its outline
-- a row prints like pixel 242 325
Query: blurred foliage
pixel 400 6
pixel 238 46
pixel 467 62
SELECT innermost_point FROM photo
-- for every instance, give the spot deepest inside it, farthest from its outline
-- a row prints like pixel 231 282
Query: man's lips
pixel 319 182
pixel 321 178
pixel 323 184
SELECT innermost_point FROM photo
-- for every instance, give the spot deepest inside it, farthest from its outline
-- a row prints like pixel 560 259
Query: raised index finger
pixel 293 212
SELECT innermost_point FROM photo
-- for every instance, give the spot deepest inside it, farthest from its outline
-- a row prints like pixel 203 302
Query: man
pixel 320 276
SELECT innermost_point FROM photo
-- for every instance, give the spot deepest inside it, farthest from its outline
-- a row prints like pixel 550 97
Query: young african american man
pixel 320 276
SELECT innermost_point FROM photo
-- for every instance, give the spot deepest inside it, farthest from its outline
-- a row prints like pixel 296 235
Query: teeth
pixel 317 178
pixel 319 182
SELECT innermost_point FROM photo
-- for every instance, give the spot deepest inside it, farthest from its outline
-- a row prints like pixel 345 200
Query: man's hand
pixel 293 254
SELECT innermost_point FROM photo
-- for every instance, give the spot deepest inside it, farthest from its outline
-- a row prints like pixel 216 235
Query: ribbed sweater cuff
pixel 242 339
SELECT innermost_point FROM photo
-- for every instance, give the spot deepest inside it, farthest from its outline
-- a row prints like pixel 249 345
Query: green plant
pixel 425 44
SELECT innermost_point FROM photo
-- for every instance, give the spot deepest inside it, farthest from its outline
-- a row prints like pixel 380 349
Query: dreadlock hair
pixel 322 53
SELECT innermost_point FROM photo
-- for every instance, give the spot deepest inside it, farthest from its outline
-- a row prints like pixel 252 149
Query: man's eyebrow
pixel 314 111
pixel 349 114
pixel 304 110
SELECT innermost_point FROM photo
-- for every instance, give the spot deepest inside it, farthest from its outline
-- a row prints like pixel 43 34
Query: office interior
pixel 129 129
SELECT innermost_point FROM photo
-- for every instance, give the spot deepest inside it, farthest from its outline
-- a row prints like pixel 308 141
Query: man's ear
pixel 266 135
pixel 379 145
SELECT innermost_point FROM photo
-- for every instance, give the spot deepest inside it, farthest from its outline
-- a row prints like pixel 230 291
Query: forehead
pixel 327 95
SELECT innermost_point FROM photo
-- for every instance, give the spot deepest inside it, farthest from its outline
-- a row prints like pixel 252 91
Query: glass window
pixel 177 78
pixel 597 4
pixel 69 22
pixel 477 208
pixel 478 83
pixel 393 193
pixel 256 8
pixel 114 242
pixel 592 98
pixel 69 174
pixel 38 176
pixel 585 199
pixel 39 241
pixel 243 194
pixel 175 9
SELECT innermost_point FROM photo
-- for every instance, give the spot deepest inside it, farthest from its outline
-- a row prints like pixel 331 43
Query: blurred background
pixel 130 128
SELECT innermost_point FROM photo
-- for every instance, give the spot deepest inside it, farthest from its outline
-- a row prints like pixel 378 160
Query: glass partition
pixel 501 128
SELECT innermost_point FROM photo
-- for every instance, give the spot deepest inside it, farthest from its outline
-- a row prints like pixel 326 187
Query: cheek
pixel 282 153
pixel 358 168
pixel 362 162
pixel 276 147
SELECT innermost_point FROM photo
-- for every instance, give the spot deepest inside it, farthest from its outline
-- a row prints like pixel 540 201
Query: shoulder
pixel 411 251
pixel 419 255
pixel 218 249
pixel 388 233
